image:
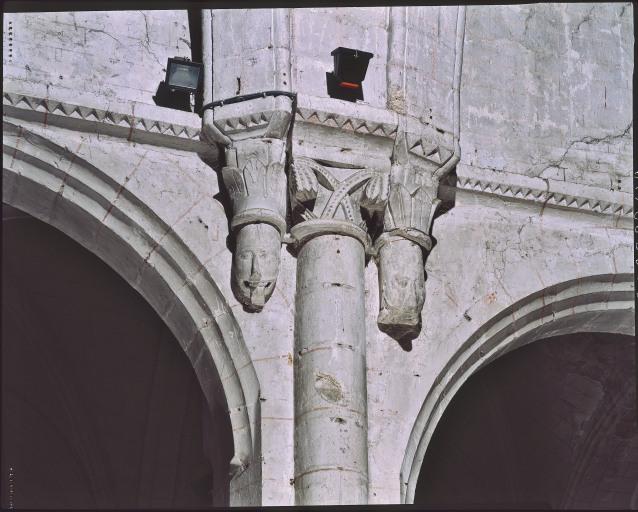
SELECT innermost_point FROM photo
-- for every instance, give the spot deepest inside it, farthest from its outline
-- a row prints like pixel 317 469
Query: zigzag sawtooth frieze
pixel 103 116
pixel 419 146
pixel 256 120
pixel 356 125
pixel 544 196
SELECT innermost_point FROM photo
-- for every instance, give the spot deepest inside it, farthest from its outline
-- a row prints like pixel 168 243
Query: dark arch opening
pixel 101 407
pixel 551 425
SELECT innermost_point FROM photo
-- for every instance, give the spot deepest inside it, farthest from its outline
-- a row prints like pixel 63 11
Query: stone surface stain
pixel 328 387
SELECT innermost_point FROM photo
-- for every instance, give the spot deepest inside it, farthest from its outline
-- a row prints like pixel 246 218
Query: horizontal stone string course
pixel 60 108
pixel 346 122
pixel 422 147
pixel 544 196
pixel 98 115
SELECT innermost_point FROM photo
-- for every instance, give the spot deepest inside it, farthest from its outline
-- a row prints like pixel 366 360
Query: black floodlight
pixel 350 66
pixel 183 75
pixel 183 78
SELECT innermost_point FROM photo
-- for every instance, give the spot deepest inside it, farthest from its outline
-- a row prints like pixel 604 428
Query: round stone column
pixel 331 451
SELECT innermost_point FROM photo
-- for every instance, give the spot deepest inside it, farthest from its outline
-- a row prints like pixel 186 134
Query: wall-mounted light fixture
pixel 183 78
pixel 350 66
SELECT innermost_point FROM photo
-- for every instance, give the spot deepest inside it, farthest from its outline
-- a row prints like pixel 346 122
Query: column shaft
pixel 331 456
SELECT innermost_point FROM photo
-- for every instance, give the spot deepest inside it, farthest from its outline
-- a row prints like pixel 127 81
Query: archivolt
pixel 52 184
pixel 601 303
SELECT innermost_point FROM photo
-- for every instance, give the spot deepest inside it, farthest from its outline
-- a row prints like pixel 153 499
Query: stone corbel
pixel 254 136
pixel 405 242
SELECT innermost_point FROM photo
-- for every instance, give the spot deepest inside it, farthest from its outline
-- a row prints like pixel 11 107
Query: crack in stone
pixel 147 44
pixel 589 140
pixel 171 228
pixel 122 186
pixel 75 23
pixel 529 16
pixel 148 39
pixel 106 33
pixel 547 196
pixel 586 19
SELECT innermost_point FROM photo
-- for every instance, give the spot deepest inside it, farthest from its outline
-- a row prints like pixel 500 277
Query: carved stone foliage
pixel 405 242
pixel 330 204
pixel 254 134
pixel 255 179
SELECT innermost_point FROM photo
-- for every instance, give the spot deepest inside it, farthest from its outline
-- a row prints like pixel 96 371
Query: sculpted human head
pixel 256 264
pixel 401 288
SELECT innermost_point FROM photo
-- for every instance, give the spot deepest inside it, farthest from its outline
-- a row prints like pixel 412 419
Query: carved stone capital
pixel 268 118
pixel 255 178
pixel 412 199
pixel 254 136
pixel 405 242
pixel 330 199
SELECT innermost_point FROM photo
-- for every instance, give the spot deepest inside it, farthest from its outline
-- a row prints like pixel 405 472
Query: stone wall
pixel 546 89
pixel 250 51
pixel 411 71
pixel 547 92
pixel 113 55
pixel 421 67
pixel 491 253
pixel 362 28
pixel 541 197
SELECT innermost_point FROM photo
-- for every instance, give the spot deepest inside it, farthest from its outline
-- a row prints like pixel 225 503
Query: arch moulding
pixel 599 303
pixel 60 188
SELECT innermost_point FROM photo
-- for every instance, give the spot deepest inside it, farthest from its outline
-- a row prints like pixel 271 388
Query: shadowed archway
pixel 94 207
pixel 601 303
pixel 101 407
pixel 549 425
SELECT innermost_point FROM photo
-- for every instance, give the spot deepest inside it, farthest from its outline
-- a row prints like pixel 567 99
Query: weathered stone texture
pixel 282 55
pixel 360 28
pixel 331 463
pixel 547 92
pixel 114 55
pixel 491 253
pixel 245 60
pixel 541 197
pixel 421 63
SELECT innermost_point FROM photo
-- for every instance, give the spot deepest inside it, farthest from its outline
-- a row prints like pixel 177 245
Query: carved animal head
pixel 256 264
pixel 401 289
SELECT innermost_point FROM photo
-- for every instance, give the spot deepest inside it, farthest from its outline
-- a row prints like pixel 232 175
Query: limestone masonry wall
pixel 115 55
pixel 536 232
pixel 547 92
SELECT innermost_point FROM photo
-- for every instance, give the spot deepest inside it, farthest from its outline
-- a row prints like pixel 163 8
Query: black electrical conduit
pixel 245 97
